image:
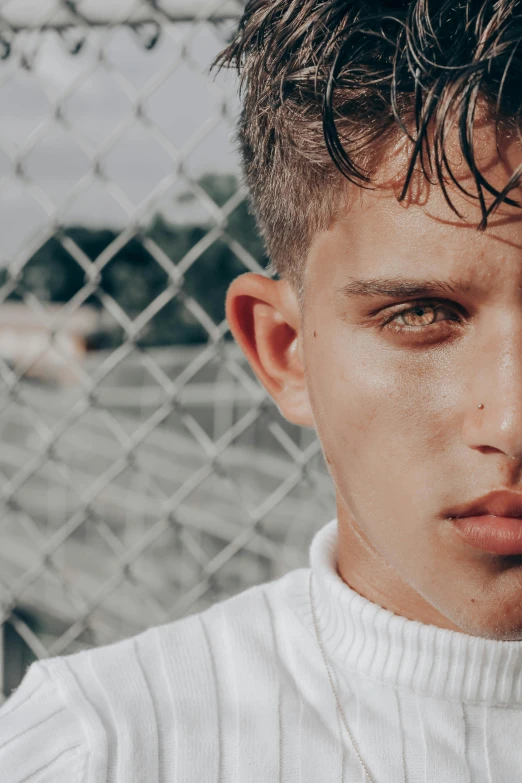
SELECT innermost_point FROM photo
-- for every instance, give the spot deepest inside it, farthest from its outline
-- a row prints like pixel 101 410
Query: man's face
pixel 395 395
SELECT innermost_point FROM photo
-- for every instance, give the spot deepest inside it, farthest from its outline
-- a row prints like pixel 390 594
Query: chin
pixel 499 634
pixel 497 625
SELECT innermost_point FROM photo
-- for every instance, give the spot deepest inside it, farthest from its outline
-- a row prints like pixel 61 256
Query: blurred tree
pixel 133 278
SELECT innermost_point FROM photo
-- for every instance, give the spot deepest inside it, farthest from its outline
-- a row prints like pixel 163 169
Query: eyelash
pixel 388 323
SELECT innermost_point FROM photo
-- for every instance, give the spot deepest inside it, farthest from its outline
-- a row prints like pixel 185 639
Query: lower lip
pixel 499 535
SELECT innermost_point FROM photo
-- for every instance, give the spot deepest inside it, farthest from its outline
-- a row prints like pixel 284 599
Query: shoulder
pixel 158 701
pixel 40 738
pixel 164 658
pixel 175 674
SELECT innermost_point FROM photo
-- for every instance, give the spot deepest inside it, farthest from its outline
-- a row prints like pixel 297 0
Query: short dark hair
pixel 327 83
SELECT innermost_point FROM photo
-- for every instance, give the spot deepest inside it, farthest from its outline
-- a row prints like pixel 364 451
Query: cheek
pixel 376 405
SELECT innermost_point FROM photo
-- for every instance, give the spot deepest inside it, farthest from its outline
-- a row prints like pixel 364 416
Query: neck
pixel 361 636
pixel 366 571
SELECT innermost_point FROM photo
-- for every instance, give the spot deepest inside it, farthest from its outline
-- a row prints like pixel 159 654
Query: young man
pixel 381 145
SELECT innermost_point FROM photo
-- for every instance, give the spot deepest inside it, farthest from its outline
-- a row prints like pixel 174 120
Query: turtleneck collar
pixel 358 635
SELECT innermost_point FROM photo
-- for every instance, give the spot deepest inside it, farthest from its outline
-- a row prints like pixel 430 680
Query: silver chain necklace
pixel 340 709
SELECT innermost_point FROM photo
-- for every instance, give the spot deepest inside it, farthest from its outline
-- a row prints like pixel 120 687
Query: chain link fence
pixel 144 472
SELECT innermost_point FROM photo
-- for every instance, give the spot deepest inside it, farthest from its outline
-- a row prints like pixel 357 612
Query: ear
pixel 264 317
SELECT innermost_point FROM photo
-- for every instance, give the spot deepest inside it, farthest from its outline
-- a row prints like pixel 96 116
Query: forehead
pixel 375 233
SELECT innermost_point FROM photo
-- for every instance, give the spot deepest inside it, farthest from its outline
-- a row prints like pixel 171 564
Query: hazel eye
pixel 420 315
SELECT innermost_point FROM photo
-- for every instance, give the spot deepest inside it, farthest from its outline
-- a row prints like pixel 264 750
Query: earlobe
pixel 263 315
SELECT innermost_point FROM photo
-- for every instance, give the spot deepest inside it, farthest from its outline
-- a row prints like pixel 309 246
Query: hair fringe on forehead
pixel 326 84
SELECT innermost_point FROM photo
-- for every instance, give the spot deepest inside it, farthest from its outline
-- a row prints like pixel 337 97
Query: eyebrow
pixel 397 287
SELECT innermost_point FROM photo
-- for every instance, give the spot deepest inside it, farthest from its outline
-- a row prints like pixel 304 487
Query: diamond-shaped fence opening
pixel 144 472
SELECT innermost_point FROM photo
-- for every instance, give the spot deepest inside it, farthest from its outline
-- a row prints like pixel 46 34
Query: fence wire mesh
pixel 145 473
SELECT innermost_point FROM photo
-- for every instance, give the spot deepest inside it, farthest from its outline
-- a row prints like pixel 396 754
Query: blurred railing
pixel 144 473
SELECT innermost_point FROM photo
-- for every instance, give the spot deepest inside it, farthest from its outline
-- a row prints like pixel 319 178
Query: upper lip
pixel 499 503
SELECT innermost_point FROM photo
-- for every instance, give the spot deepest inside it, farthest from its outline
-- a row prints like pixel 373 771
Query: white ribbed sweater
pixel 240 693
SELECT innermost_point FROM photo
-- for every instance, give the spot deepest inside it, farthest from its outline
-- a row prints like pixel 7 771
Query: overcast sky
pixel 96 107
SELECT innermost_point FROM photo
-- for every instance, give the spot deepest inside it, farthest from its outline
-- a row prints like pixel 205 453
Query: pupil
pixel 420 311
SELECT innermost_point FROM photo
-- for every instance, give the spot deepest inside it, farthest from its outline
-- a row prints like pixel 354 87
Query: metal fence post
pixel 2 663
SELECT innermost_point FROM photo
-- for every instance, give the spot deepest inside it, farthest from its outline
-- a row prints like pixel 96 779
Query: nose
pixel 493 420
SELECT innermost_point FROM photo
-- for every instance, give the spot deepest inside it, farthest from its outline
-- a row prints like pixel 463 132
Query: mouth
pixel 500 503
pixel 497 535
pixel 492 523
